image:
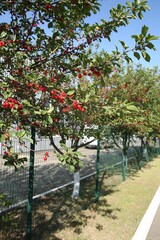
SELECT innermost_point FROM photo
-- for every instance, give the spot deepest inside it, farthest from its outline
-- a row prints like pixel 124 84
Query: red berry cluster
pixel 91 71
pixel 2 44
pixel 46 155
pixel 96 72
pixel 89 40
pixel 37 87
pixel 66 109
pixel 59 97
pixel 12 103
pixel 7 136
pixel 77 106
pixel 79 75
pixel 6 153
pixel 48 7
pixel 41 88
pixel 52 79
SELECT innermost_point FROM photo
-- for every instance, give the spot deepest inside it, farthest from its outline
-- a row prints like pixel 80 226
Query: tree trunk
pixel 76 187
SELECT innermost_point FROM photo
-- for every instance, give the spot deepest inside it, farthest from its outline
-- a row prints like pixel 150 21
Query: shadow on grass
pixel 58 211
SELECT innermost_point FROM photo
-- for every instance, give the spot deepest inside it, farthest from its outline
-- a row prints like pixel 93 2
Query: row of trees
pixel 51 80
pixel 141 87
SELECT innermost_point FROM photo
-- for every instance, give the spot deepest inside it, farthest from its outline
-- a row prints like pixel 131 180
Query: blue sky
pixel 151 19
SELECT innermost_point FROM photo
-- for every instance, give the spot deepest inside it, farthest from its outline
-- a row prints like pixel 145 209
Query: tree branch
pixel 85 144
pixel 54 145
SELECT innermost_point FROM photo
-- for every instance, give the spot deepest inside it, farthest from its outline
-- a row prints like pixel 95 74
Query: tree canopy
pixel 49 77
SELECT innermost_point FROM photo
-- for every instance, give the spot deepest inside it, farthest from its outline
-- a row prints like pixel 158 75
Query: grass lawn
pixel 119 212
pixel 115 217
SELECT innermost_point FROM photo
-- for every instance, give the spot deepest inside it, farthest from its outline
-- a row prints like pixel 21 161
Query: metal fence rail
pixel 50 174
pixel 42 144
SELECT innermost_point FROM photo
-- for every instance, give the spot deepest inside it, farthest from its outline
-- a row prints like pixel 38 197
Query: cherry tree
pixel 48 79
pixel 139 87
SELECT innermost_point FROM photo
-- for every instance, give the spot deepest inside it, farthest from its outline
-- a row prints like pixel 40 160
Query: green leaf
pixel 3 34
pixel 71 92
pixel 70 168
pixel 81 164
pixel 152 37
pixel 51 108
pixel 132 108
pixel 3 137
pixel 140 15
pixel 123 44
pixel 150 46
pixel 12 133
pixel 87 97
pixel 143 54
pixel 129 4
pixel 43 112
pixel 106 107
pixel 26 112
pixel 37 112
pixel 50 120
pixel 20 133
pixel 128 59
pixel 119 6
pixel 26 102
pixel 136 37
pixel 50 24
pixel 137 55
pixel 146 56
pixel 144 30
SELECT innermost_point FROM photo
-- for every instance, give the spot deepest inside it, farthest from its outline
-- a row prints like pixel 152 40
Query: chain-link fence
pixel 53 185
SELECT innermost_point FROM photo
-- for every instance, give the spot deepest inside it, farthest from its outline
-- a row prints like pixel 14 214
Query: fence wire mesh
pixel 53 186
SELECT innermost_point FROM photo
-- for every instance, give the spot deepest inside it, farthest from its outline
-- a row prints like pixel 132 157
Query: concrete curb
pixel 146 222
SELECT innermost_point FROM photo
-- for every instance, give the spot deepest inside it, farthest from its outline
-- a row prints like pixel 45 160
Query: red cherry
pixel 79 75
pixel 46 154
pixel 2 44
pixel 45 158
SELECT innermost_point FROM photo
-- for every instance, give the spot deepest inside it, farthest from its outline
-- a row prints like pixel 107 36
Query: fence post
pixel 146 155
pixel 97 194
pixel 30 185
pixel 125 158
pixel 124 166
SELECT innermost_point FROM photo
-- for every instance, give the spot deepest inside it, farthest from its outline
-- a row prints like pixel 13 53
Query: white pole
pixel 76 187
